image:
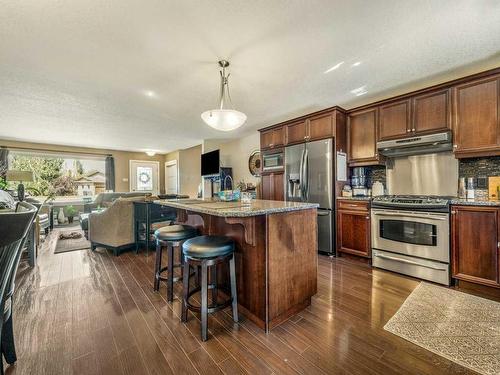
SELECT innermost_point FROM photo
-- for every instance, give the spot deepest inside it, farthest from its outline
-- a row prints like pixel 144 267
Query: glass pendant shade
pixel 224 119
pixel 221 118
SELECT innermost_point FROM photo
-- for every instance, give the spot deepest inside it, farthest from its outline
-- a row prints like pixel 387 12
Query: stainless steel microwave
pixel 273 161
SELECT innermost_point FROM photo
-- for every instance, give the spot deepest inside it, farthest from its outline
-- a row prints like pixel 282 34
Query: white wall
pixel 235 154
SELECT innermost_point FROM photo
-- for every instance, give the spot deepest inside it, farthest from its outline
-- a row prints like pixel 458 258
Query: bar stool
pixel 172 237
pixel 205 252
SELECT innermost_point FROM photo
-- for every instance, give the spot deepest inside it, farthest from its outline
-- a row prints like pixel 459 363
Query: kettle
pixel 377 188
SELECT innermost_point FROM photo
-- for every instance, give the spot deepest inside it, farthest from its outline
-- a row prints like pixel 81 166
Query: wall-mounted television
pixel 210 163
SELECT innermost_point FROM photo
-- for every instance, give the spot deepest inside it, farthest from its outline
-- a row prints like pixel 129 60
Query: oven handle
pixel 409 215
pixel 408 262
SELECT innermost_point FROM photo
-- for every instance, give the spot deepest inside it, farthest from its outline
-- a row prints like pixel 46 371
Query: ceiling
pixel 135 75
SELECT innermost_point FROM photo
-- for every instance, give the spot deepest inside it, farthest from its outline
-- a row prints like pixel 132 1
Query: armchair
pixel 113 228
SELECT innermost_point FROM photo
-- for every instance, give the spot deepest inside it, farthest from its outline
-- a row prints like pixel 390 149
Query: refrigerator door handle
pixel 301 177
pixel 323 213
pixel 306 175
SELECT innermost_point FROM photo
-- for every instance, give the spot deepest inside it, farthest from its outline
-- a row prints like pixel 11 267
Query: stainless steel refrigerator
pixel 309 177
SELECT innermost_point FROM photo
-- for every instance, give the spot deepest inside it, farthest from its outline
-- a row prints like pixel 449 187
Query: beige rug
pixel 64 245
pixel 458 326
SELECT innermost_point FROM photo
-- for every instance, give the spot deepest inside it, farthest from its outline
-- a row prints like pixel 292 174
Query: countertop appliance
pixel 410 235
pixel 309 177
pixel 359 182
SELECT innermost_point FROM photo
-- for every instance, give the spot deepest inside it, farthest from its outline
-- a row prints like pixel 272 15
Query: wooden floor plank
pixel 87 312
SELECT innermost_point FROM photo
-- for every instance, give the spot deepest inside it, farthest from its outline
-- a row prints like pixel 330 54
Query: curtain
pixel 110 173
pixel 4 162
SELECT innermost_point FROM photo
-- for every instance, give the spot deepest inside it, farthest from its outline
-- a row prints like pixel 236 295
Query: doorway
pixel 171 177
pixel 144 176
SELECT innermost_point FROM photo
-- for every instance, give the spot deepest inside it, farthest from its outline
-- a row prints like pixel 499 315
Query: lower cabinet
pixel 353 228
pixel 475 247
pixel 272 186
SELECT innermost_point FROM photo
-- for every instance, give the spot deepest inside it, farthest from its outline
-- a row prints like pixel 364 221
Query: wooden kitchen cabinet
pixel 320 127
pixel 362 138
pixel 296 132
pixel 431 112
pixel 272 138
pixel 475 246
pixel 476 118
pixel 353 228
pixel 394 120
pixel 272 186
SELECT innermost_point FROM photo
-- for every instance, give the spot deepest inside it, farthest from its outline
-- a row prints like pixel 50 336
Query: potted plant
pixel 70 213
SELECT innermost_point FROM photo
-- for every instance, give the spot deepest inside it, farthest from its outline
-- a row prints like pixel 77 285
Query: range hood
pixel 424 144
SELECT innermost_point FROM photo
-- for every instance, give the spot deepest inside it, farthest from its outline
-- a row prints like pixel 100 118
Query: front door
pixel 144 176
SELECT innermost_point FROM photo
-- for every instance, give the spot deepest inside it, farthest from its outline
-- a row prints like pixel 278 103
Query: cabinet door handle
pixel 453 212
pixel 498 245
pixel 408 130
pixel 413 129
pixel 455 146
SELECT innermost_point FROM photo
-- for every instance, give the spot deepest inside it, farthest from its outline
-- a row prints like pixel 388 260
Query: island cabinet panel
pixel 431 112
pixel 292 262
pixel 296 132
pixel 353 228
pixel 362 137
pixel 475 246
pixel 276 258
pixel 321 127
pixel 477 127
pixel 394 120
pixel 272 138
pixel 272 186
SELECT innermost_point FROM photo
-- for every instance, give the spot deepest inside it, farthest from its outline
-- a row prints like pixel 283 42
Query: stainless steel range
pixel 410 235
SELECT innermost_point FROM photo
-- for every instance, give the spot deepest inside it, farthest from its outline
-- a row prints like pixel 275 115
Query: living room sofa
pixel 104 200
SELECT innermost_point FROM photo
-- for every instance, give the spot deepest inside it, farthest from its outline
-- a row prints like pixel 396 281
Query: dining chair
pixel 14 227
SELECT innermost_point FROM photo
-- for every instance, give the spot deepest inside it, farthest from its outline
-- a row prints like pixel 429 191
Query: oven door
pixel 419 234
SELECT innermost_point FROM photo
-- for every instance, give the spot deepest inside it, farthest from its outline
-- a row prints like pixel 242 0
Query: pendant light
pixel 221 118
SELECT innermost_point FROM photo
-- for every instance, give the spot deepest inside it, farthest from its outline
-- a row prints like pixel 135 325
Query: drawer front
pixel 352 205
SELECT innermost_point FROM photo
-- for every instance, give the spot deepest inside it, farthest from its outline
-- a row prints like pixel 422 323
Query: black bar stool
pixel 205 252
pixel 172 237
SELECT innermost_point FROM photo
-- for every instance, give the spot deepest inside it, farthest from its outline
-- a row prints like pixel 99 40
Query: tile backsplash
pixel 479 167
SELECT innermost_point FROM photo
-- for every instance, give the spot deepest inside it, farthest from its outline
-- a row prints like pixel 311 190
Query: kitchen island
pixel 276 252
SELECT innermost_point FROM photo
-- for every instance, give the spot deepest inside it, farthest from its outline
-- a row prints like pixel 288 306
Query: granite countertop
pixel 235 209
pixel 355 198
pixel 475 202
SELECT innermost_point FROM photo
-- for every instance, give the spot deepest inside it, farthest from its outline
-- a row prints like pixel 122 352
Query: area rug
pixel 458 326
pixel 68 241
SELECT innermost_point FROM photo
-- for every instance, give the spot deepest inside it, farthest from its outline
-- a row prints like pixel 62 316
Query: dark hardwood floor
pixel 93 313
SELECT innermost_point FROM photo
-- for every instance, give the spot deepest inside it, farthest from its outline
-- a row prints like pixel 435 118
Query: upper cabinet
pixel 431 112
pixel 296 132
pixel 394 120
pixel 476 117
pixel 362 137
pixel 311 129
pixel 321 127
pixel 272 138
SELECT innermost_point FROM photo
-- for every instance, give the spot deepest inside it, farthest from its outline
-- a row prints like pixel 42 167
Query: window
pixel 60 174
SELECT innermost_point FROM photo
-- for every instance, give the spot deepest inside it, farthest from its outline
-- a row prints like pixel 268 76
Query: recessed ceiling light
pixel 359 91
pixel 149 93
pixel 150 153
pixel 357 63
pixel 336 66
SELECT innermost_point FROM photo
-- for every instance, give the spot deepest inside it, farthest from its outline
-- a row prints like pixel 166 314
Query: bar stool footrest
pixel 213 307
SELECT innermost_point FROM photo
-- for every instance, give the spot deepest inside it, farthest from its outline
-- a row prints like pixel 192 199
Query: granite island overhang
pixel 276 252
